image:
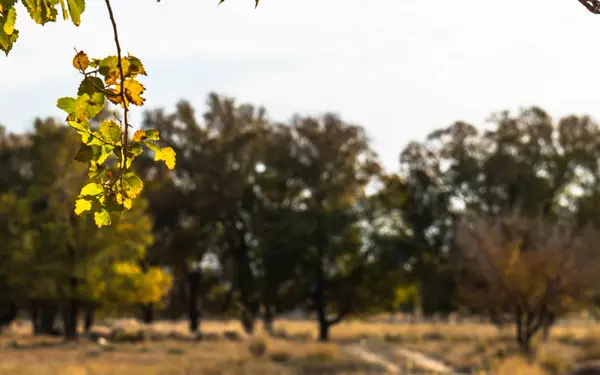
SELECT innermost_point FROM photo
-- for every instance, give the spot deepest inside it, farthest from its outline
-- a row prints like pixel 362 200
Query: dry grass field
pixel 166 348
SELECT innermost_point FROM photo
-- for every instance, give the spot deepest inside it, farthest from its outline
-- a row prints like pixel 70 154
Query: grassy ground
pixel 166 348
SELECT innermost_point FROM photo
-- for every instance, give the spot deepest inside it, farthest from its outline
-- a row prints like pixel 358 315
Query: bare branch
pixel 591 5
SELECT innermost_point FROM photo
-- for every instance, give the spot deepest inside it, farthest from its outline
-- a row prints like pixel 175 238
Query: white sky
pixel 400 68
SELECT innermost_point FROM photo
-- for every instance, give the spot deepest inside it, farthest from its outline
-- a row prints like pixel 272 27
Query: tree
pixel 332 166
pixel 111 186
pixel 530 267
pixel 526 161
pixel 50 257
pixel 214 181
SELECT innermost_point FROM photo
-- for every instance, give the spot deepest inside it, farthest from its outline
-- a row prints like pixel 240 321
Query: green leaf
pixel 64 10
pixel 105 151
pixel 85 153
pixel 135 149
pixel 83 127
pixel 7 41
pixel 41 11
pixel 90 85
pixel 108 67
pixel 83 107
pixel 95 104
pixel 152 134
pixel 76 8
pixel 110 130
pixel 66 104
pixel 5 4
pixel 92 189
pixel 102 218
pixel 132 184
pixel 96 170
pixel 152 146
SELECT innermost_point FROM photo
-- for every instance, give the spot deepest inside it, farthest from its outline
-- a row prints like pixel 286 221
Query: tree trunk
pixel 35 318
pixel 71 312
pixel 193 310
pixel 268 318
pixel 10 315
pixel 549 321
pixel 320 299
pixel 323 325
pixel 88 320
pixel 49 311
pixel 248 320
pixel 525 334
pixel 148 313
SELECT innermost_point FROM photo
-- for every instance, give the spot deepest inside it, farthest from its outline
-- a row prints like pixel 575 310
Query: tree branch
pixel 122 88
pixel 591 5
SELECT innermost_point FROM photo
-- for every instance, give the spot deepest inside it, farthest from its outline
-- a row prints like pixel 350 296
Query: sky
pixel 399 68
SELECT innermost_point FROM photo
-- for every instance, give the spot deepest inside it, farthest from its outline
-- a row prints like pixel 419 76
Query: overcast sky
pixel 400 68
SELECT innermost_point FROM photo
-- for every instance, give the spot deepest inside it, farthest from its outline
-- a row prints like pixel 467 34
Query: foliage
pixel 111 187
pixel 129 284
pixel 531 268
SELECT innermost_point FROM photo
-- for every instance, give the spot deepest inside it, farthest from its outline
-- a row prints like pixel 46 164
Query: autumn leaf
pixel 168 155
pixel 82 205
pixel 81 61
pixel 132 184
pixel 110 130
pixel 92 189
pixel 102 218
pixel 135 67
pixel 139 135
pixel 133 92
pixel 9 21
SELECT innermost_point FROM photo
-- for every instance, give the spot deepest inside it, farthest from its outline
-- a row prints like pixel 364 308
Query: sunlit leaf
pixel 110 130
pixel 91 189
pixel 132 184
pixel 82 205
pixel 102 218
pixel 81 61
pixel 168 155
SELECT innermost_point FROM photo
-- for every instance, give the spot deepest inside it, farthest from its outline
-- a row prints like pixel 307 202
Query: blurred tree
pixel 533 268
pixel 334 165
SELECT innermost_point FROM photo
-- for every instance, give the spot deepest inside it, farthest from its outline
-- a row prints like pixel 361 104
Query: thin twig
pixel 122 90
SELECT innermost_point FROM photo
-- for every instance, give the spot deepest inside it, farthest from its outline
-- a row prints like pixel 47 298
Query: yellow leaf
pixel 91 189
pixel 168 155
pixel 138 136
pixel 133 92
pixel 102 218
pixel 114 96
pixel 82 205
pixel 81 61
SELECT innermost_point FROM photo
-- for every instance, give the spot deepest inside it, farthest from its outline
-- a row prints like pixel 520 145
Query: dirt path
pixel 366 355
pixel 417 359
pixel 423 361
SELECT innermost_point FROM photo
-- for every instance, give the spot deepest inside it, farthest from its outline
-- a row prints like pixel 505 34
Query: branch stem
pixel 122 88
